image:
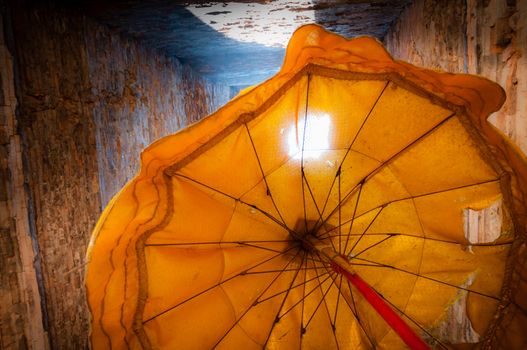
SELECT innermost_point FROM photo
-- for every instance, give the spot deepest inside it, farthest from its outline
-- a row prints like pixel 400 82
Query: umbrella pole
pixel 341 265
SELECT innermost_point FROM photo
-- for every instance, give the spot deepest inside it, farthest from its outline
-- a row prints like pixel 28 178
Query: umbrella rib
pixel 411 319
pixel 217 284
pixel 315 203
pixel 308 294
pixel 354 310
pixel 364 231
pixel 214 243
pixel 238 243
pixel 357 317
pixel 302 155
pixel 519 307
pixel 258 247
pixel 319 303
pixel 337 305
pixel 340 212
pixel 394 156
pixel 322 262
pixel 262 293
pixel 272 271
pixel 430 239
pixel 466 244
pixel 292 287
pixel 372 246
pixel 333 328
pixel 353 219
pixel 377 264
pixel 282 224
pixel 320 286
pixel 412 197
pixel 325 304
pixel 301 332
pixel 282 303
pixel 339 170
pixel 311 194
pixel 264 178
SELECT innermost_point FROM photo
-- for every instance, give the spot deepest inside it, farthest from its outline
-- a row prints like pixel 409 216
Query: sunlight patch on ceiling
pixel 270 24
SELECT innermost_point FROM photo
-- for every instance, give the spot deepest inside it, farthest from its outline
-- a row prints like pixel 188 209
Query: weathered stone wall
pixel 88 101
pixel 139 96
pixel 60 161
pixel 20 311
pixel 488 38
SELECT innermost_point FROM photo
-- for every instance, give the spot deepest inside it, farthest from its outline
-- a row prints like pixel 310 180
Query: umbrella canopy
pixel 346 202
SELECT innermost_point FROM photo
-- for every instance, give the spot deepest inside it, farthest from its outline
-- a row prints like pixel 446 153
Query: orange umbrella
pixel 351 201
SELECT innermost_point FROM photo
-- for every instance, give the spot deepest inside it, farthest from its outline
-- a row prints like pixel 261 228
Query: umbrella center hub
pixel 307 234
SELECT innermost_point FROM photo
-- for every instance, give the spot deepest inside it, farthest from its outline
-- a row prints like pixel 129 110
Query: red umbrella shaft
pixel 391 317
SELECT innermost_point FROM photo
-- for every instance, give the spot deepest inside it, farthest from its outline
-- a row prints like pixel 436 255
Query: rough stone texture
pixel 488 38
pixel 139 96
pixel 239 43
pixel 88 102
pixel 59 150
pixel 20 308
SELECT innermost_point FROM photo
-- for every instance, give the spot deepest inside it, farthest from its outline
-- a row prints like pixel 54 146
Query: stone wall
pixel 88 101
pixel 488 38
pixel 20 309
pixel 138 97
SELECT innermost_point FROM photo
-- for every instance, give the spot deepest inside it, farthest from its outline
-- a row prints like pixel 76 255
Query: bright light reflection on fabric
pixel 316 139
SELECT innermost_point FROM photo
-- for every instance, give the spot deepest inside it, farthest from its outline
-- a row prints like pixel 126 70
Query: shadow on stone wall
pixel 170 27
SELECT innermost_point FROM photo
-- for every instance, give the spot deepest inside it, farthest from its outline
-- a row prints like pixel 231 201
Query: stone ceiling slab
pixel 239 43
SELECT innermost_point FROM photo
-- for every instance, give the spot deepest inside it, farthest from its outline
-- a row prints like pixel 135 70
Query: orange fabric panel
pixel 209 245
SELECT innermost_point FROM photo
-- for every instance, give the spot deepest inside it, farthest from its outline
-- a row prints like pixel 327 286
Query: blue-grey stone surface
pixel 239 43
